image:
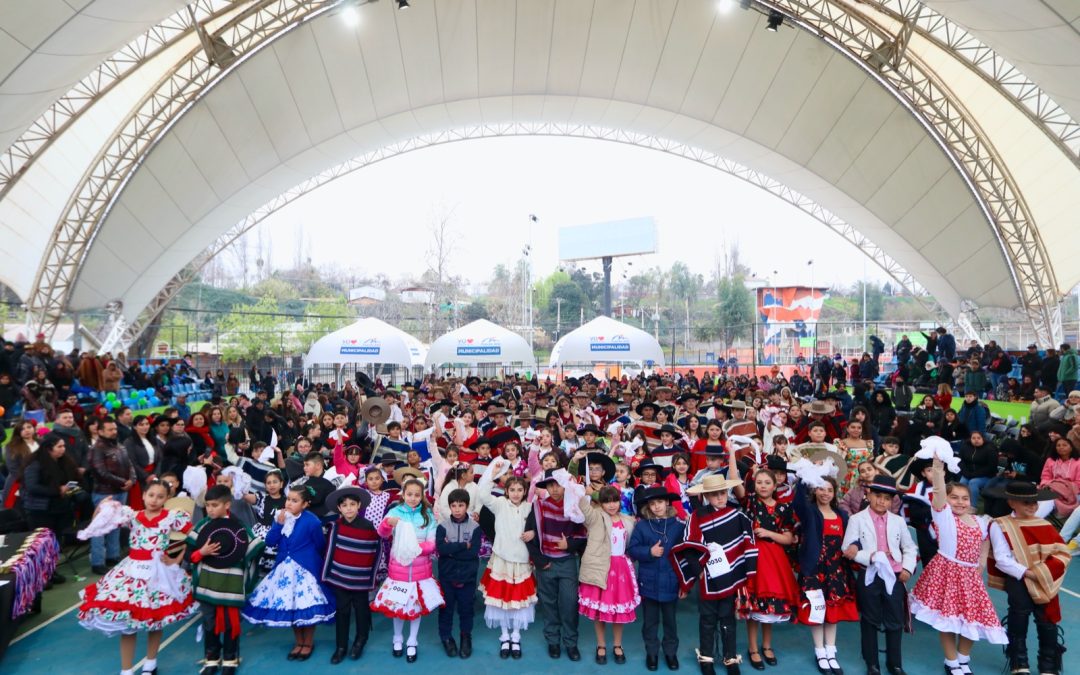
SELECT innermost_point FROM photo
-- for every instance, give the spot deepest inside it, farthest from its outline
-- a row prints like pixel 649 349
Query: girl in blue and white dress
pixel 291 595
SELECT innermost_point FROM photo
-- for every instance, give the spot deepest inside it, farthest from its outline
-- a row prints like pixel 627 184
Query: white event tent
pixel 605 340
pixel 367 341
pixel 480 342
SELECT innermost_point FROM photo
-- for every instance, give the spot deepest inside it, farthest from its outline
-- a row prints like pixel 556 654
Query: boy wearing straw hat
pixel 719 549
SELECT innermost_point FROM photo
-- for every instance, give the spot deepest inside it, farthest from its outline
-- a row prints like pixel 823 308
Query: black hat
pixel 549 477
pixel 388 458
pixel 690 395
pixel 649 464
pixel 483 440
pixel 646 404
pixel 605 399
pixel 883 483
pixel 597 458
pixel 362 496
pixel 716 450
pixel 671 429
pixel 775 463
pixel 591 427
pixel 1021 491
pixel 646 495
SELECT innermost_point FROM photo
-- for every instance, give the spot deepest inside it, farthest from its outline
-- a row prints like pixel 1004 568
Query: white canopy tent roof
pixel 605 340
pixel 480 342
pixel 367 341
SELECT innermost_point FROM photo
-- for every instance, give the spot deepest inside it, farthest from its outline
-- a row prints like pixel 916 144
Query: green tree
pixel 685 286
pixel 735 309
pixel 573 299
pixel 247 330
pixel 875 302
pixel 543 288
pixel 474 311
pixel 322 317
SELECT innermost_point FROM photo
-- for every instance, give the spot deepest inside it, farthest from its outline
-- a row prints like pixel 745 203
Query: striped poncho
pixel 1037 546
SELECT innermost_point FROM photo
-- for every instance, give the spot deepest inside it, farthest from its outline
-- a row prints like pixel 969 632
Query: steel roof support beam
pixel 770 185
pixel 856 35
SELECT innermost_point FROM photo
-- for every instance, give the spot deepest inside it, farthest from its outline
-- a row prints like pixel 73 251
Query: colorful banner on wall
pixel 789 315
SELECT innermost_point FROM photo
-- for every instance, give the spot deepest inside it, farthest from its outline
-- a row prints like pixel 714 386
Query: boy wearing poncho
pixel 1028 560
pixel 222 551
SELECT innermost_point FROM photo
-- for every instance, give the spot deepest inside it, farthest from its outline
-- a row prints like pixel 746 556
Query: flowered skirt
pixel 509 591
pixel 617 602
pixel 408 599
pixel 953 599
pixel 122 603
pixel 289 596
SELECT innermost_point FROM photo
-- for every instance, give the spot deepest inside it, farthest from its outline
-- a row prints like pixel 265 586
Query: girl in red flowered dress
pixel 771 596
pixel 147 590
pixel 950 595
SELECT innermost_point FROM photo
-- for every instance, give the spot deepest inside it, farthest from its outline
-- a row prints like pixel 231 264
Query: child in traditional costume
pixel 352 553
pixel 291 594
pixel 508 585
pixel 950 595
pixel 223 552
pixel 410 592
pixel 147 590
pixel 718 549
pixel 609 591
pixel 879 541
pixel 1028 560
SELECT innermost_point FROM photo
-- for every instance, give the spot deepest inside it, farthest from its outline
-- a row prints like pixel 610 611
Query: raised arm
pixel 937 475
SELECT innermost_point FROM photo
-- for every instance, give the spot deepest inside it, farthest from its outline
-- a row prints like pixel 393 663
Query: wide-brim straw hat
pixel 713 483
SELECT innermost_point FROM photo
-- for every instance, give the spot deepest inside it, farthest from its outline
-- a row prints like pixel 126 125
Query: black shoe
pixel 601 659
pixel 771 660
pixel 294 653
pixel 450 647
pixel 652 661
pixel 618 654
pixel 554 651
pixel 707 669
pixel 338 656
pixel 210 667
pixel 357 648
pixel 99 569
pixel 111 562
pixel 504 650
pixel 411 654
pixel 304 656
pixel 756 665
pixel 895 670
pixel 515 649
pixel 733 667
pixel 573 654
pixel 398 651
pixel 672 661
pixel 466 645
pixel 57 578
pixel 873 670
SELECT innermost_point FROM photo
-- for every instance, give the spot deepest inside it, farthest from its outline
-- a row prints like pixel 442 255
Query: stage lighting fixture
pixel 775 20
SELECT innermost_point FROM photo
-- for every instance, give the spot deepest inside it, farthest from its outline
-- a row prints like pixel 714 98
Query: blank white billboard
pixel 633 236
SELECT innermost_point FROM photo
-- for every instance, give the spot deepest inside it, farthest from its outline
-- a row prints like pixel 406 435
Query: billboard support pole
pixel 607 285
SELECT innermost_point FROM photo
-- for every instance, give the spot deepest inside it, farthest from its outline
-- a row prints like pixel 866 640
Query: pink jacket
pixel 1055 468
pixel 343 467
pixel 421 567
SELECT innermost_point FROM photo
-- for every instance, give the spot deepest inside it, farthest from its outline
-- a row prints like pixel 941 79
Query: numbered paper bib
pixel 399 593
pixel 816 599
pixel 718 564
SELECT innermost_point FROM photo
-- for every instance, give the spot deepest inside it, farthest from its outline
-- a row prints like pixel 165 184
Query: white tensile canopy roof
pixel 323 92
pixel 605 340
pixel 367 341
pixel 480 342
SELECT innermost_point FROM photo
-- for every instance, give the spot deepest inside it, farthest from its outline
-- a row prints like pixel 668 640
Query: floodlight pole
pixel 607 285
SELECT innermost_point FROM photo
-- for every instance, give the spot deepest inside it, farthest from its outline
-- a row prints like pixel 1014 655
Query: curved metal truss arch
pixel 859 37
pixel 805 204
pixel 63 112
